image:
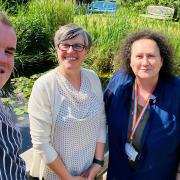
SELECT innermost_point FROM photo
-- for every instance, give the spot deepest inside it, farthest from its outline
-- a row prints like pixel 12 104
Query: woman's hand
pixel 92 172
pixel 77 178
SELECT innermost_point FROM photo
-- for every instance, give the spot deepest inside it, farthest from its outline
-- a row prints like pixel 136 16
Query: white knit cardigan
pixel 43 104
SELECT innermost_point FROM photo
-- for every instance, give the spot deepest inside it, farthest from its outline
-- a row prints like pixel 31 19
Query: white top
pixel 79 120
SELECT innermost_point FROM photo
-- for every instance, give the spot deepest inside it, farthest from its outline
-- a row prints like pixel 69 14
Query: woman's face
pixel 71 57
pixel 146 60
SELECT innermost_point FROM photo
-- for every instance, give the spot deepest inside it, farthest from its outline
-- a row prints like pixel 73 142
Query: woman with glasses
pixel 66 112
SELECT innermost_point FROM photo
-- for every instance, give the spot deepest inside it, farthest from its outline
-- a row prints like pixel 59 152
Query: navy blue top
pixel 160 142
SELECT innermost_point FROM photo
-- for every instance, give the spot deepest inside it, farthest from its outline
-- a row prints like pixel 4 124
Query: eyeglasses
pixel 76 47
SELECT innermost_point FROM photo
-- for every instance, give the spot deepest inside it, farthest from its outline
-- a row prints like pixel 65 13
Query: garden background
pixel 36 21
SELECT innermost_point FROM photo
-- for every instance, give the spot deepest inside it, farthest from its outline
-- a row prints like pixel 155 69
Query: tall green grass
pixel 108 31
pixel 52 13
pixel 37 22
pixel 35 26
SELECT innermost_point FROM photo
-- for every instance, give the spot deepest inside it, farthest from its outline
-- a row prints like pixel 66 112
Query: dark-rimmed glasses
pixel 76 47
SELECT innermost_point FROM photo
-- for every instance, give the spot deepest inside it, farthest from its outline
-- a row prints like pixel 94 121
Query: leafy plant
pixel 19 98
pixel 13 5
pixel 108 32
pixel 142 5
pixel 35 27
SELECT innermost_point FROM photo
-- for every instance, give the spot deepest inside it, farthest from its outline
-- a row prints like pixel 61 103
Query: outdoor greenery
pixel 37 20
pixel 108 31
pixel 141 6
pixel 35 27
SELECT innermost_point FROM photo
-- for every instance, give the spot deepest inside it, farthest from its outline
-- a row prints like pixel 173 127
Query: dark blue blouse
pixel 12 167
pixel 160 142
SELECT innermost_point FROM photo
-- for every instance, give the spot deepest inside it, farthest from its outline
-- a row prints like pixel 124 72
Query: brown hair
pixel 124 53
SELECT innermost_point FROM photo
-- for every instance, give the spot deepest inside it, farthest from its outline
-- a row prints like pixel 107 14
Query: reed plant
pixel 37 23
pixel 35 26
pixel 52 13
pixel 3 6
pixel 108 31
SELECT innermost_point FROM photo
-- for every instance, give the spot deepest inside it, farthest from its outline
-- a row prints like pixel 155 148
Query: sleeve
pixel 102 129
pixel 39 109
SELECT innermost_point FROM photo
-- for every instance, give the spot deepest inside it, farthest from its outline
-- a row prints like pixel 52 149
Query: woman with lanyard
pixel 143 112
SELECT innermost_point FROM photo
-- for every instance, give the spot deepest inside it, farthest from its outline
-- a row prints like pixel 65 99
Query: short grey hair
pixel 70 31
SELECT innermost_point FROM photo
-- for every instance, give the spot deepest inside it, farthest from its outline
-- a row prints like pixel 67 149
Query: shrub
pixel 3 6
pixel 141 6
pixel 52 14
pixel 35 29
pixel 31 35
pixel 12 6
pixel 107 31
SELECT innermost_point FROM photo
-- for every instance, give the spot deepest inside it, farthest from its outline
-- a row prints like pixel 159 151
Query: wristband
pixel 99 162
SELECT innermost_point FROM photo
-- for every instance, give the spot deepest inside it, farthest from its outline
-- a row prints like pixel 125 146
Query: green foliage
pixel 32 45
pixel 52 14
pixel 18 100
pixel 35 27
pixel 82 10
pixel 142 5
pixel 104 78
pixel 17 105
pixel 13 5
pixel 24 85
pixel 109 31
pixel 3 6
pixel 31 35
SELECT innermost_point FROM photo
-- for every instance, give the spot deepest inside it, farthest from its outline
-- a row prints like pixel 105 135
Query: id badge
pixel 130 151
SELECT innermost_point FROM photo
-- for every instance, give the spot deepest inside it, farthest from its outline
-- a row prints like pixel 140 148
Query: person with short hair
pixel 12 167
pixel 66 111
pixel 142 103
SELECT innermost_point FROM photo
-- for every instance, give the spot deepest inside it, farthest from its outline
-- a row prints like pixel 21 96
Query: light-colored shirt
pixel 68 124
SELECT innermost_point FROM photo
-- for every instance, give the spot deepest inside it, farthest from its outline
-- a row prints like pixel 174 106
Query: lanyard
pixel 137 120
